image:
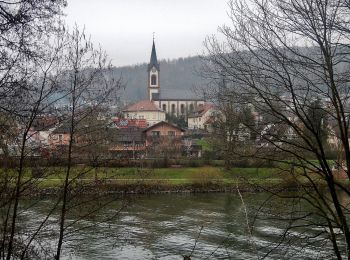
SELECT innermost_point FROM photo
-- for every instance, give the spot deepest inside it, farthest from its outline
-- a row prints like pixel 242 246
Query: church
pixel 157 105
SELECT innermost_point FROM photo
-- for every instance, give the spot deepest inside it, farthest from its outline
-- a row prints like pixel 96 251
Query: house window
pixel 164 107
pixel 155 133
pixel 60 138
pixel 173 108
pixel 153 80
pixel 171 133
pixel 199 119
pixel 182 108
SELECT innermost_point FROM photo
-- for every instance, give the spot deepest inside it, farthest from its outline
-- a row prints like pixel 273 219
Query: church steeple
pixel 154 61
pixel 153 75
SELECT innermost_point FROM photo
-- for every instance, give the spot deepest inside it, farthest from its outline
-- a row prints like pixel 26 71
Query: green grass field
pixel 54 176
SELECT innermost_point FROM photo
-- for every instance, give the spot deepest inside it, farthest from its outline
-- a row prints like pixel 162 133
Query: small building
pixel 128 143
pixel 202 116
pixel 60 136
pixel 164 129
pixel 40 131
pixel 191 148
pixel 145 109
pixel 164 139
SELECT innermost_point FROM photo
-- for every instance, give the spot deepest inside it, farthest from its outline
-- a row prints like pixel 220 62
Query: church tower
pixel 153 76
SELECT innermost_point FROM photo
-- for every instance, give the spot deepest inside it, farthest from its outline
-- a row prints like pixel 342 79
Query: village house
pixel 163 139
pixel 145 109
pixel 161 130
pixel 60 136
pixel 41 129
pixel 202 117
pixel 128 143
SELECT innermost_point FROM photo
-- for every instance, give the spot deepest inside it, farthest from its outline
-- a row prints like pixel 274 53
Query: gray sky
pixel 124 27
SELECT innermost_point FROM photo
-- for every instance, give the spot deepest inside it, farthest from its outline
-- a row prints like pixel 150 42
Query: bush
pixel 37 172
pixel 206 177
pixel 252 163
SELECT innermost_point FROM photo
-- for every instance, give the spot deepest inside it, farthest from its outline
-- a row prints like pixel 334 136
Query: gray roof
pixel 178 94
pixel 129 134
pixel 153 62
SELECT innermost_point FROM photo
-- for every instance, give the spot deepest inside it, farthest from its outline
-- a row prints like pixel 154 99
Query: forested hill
pixel 177 78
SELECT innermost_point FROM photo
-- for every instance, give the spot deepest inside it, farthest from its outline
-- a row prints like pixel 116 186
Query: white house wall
pixel 152 117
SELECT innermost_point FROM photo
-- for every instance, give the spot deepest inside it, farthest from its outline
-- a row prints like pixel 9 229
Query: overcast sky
pixel 124 28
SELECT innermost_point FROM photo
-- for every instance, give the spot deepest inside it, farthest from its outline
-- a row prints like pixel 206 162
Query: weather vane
pixel 153 35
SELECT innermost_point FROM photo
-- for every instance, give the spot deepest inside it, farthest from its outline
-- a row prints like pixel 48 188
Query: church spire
pixel 153 75
pixel 153 61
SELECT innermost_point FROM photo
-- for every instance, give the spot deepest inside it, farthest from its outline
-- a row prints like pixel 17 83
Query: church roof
pixel 178 94
pixel 153 62
pixel 143 105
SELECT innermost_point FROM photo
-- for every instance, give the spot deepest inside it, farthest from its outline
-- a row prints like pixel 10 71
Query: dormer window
pixel 153 80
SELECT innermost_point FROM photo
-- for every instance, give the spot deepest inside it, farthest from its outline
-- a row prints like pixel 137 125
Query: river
pixel 168 226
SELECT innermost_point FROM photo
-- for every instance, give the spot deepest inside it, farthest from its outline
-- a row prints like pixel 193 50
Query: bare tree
pixel 23 25
pixel 89 86
pixel 281 57
pixel 25 85
pixel 42 64
pixel 229 132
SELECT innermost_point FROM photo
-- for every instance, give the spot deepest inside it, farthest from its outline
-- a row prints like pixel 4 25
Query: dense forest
pixel 178 78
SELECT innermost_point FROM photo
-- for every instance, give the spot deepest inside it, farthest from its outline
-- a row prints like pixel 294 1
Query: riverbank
pixel 162 188
pixel 85 180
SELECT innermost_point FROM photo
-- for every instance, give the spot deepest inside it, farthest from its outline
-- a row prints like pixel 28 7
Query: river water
pixel 168 226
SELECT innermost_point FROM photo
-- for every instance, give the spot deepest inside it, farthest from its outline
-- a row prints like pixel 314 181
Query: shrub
pixel 206 177
pixel 37 172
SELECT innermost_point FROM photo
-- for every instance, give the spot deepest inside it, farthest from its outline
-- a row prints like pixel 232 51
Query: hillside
pixel 177 78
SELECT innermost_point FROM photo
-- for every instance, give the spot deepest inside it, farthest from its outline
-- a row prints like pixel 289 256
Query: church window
pixel 182 108
pixel 164 107
pixel 153 80
pixel 191 108
pixel 173 108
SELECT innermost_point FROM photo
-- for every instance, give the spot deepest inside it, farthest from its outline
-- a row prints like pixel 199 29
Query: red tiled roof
pixel 200 111
pixel 143 105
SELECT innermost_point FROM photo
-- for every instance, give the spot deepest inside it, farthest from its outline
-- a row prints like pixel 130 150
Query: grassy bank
pixel 147 180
